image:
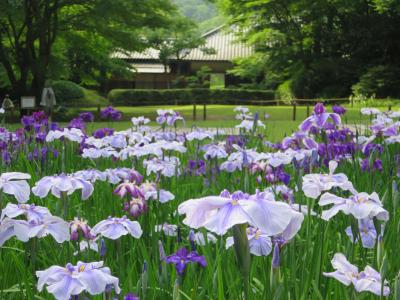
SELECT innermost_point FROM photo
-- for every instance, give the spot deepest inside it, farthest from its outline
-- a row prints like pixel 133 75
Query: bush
pixel 379 82
pixel 136 97
pixel 284 91
pixel 67 93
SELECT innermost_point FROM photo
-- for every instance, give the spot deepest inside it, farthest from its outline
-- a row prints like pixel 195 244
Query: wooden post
pixel 294 110
pixel 308 110
pixel 204 111
pixel 194 111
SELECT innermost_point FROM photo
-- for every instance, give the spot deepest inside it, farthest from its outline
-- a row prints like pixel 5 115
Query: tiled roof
pixel 225 43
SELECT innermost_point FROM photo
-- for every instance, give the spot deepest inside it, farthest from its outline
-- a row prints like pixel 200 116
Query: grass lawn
pixel 279 123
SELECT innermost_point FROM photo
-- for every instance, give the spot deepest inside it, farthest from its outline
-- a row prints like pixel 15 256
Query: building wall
pixel 163 80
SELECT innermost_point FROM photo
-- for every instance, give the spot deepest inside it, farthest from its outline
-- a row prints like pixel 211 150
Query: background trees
pixel 316 48
pixel 71 38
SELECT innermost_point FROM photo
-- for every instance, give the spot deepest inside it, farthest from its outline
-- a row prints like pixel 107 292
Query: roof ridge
pixel 210 32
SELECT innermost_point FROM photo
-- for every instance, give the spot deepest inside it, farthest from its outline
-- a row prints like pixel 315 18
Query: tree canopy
pixel 315 48
pixel 42 37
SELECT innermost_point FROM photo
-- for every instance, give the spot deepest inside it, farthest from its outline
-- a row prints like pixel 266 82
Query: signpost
pixel 28 102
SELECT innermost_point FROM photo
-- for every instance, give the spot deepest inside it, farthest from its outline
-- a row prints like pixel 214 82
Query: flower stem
pixel 242 255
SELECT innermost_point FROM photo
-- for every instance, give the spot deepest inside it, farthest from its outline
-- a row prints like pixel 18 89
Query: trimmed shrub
pixel 284 91
pixel 136 97
pixel 67 93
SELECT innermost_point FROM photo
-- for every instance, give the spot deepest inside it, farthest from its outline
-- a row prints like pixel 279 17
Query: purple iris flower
pixel 73 280
pixel 319 119
pixel 77 123
pixel 102 132
pixel 136 206
pixel 131 296
pixel 87 116
pixel 54 126
pixel 130 188
pixel 111 113
pixel 79 225
pixel 6 157
pixel 28 122
pixel 182 257
pixel 338 109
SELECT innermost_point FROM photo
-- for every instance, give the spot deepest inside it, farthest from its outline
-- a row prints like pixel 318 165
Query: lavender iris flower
pixel 73 280
pixel 24 230
pixel 14 183
pixel 249 125
pixel 315 184
pixel 30 211
pixel 91 175
pixel 114 228
pixel 169 166
pixel 150 191
pixel 118 175
pixel 200 238
pixel 214 151
pixel 260 244
pixel 200 135
pixel 140 121
pixel 72 134
pixel 367 231
pixel 182 257
pixel 367 280
pixel 168 117
pixel 59 184
pixel 319 119
pixel 168 229
pixel 243 113
pixel 360 205
pixel 220 213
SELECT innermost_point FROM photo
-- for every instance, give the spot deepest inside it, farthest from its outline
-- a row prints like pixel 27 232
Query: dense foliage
pixel 72 38
pixel 318 48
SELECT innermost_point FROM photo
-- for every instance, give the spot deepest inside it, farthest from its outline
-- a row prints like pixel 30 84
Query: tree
pixel 322 47
pixel 175 42
pixel 29 30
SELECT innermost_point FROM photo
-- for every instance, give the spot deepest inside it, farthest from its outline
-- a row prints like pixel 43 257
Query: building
pixel 151 74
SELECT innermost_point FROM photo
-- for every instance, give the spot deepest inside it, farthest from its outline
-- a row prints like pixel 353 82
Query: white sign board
pixel 27 102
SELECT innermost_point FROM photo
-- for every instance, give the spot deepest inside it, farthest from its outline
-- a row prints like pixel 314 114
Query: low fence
pixel 294 103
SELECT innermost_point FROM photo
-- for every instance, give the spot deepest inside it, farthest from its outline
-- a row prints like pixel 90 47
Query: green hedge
pixel 67 93
pixel 132 97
